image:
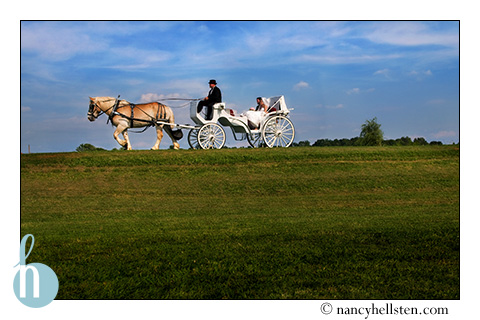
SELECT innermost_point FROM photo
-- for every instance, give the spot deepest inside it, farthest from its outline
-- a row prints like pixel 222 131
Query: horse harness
pixel 160 115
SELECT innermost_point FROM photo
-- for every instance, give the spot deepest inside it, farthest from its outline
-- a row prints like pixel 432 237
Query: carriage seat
pixel 198 119
pixel 219 106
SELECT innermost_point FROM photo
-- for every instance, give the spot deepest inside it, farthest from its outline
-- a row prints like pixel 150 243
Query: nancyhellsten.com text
pixel 385 309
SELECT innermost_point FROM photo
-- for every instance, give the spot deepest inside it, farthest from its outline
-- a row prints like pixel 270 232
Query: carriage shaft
pixel 176 125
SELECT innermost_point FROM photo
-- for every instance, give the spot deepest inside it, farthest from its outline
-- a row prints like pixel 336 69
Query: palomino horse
pixel 125 115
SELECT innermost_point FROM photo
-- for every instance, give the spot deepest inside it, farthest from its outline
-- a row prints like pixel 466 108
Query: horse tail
pixel 177 134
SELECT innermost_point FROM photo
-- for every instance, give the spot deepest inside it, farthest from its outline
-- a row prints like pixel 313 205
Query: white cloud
pixel 420 75
pixel 410 34
pixel 134 59
pixel 382 72
pixel 444 134
pixel 188 86
pixel 180 89
pixel 417 73
pixel 353 91
pixel 61 41
pixel 338 106
pixel 257 43
pixel 203 29
pixel 56 42
pixel 150 97
pixel 25 109
pixel 359 91
pixel 301 85
pixel 345 59
pixel 333 29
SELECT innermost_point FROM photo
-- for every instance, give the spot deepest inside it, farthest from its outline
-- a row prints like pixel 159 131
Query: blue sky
pixel 335 74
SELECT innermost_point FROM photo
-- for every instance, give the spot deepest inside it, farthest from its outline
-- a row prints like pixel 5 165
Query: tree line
pixel 357 141
pixel 370 135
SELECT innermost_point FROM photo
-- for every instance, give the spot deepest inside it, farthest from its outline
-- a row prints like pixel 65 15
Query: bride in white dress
pixel 255 116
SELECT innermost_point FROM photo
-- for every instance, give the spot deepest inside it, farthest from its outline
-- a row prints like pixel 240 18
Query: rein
pixel 179 99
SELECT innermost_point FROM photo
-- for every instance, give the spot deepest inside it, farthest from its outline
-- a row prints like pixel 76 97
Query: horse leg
pixel 156 146
pixel 125 135
pixel 176 146
pixel 120 129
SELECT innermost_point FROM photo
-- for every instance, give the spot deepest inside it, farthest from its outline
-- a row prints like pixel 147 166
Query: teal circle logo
pixel 35 284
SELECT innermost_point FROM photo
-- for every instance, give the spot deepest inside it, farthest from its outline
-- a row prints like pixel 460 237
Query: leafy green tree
pixel 371 134
pixel 404 141
pixel 87 147
pixel 420 141
pixel 323 143
pixel 304 143
pixel 389 142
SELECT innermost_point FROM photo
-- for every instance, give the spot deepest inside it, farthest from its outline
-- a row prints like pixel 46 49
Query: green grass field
pixel 297 223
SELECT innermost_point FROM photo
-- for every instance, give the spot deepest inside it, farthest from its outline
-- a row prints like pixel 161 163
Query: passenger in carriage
pixel 214 96
pixel 255 115
pixel 261 105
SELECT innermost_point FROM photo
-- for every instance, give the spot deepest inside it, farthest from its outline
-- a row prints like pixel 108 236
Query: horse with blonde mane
pixel 125 115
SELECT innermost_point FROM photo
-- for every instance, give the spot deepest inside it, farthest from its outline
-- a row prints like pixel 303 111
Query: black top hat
pixel 212 81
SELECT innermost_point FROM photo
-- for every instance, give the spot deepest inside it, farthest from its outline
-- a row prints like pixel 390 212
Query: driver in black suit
pixel 214 96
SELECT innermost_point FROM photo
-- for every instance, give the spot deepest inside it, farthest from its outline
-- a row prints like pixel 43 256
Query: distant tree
pixel 371 134
pixel 87 147
pixel 404 141
pixel 436 143
pixel 389 142
pixel 420 141
pixel 304 143
pixel 321 143
pixel 337 142
pixel 356 141
pixel 360 141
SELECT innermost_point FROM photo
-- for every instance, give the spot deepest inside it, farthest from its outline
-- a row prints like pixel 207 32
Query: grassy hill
pixel 297 223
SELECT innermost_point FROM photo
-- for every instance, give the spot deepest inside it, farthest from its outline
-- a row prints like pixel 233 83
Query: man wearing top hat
pixel 214 96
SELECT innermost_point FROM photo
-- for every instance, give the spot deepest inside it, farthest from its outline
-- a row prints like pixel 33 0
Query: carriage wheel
pixel 211 136
pixel 255 139
pixel 278 131
pixel 192 139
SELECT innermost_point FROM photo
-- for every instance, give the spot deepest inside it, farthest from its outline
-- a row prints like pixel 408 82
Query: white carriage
pixel 275 129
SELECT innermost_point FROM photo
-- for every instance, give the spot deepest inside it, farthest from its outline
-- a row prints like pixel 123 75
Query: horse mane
pixel 100 99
